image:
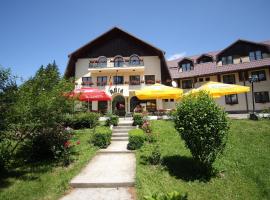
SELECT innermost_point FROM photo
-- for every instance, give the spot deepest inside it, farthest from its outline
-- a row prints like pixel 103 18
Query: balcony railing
pixel 111 64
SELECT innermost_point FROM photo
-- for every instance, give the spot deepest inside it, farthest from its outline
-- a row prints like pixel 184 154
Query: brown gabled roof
pixel 210 68
pixel 70 69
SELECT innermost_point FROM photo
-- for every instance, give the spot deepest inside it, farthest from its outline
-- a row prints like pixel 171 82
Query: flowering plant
pixel 146 126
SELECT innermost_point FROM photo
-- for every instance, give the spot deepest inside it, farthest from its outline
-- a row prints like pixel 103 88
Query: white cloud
pixel 176 56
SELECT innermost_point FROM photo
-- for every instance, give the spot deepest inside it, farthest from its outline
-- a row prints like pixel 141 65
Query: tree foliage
pixel 203 125
pixel 35 122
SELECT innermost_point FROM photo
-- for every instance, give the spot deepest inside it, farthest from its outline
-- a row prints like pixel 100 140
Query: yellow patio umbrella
pixel 158 91
pixel 217 89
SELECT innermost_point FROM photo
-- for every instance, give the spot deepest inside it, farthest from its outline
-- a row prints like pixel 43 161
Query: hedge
pixel 102 136
pixel 136 138
pixel 81 120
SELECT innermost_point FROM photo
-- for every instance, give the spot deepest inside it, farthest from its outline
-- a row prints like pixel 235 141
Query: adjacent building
pixel 120 63
pixel 235 64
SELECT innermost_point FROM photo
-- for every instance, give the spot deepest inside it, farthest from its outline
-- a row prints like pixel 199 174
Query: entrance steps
pixel 110 175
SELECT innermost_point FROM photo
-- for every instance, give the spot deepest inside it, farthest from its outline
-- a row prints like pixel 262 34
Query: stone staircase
pixel 120 132
pixel 112 171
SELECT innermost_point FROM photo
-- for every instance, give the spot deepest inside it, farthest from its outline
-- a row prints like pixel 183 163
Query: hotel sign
pixel 119 89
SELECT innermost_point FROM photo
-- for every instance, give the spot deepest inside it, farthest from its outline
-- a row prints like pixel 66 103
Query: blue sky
pixel 37 32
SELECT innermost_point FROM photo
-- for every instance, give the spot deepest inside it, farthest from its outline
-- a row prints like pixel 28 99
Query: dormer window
pixel 204 59
pixel 226 60
pixel 134 60
pixel 185 65
pixel 255 55
pixel 118 61
pixel 102 61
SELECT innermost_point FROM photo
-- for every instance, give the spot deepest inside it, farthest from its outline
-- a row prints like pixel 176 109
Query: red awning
pixel 89 94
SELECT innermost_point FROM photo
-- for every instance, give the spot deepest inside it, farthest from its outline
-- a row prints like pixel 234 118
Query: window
pixel 134 80
pixel 118 80
pixel 207 79
pixel 261 97
pixel 200 79
pixel 101 80
pixel 230 79
pixel 255 55
pixel 149 79
pixel 231 99
pixel 151 105
pixel 204 59
pixel 186 67
pixel 87 81
pixel 166 100
pixel 187 84
pixel 259 74
pixel 227 60
pixel 118 61
pixel 134 60
pixel 102 61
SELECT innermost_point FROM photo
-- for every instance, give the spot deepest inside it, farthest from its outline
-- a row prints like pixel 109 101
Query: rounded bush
pixel 136 138
pixel 203 125
pixel 137 119
pixel 102 136
pixel 112 120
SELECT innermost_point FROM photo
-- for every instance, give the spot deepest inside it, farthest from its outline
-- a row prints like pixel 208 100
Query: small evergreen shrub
pixel 102 136
pixel 136 138
pixel 137 119
pixel 81 120
pixel 203 125
pixel 151 154
pixel 167 196
pixel 112 120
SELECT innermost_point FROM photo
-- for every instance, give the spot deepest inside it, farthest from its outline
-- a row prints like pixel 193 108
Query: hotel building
pixel 121 63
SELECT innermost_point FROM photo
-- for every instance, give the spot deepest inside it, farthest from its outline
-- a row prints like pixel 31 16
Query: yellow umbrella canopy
pixel 217 89
pixel 158 91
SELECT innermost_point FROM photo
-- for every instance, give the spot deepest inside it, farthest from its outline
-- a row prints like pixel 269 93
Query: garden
pixel 44 143
pixel 234 164
pixel 197 154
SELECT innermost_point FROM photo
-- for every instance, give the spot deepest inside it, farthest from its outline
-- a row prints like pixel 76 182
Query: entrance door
pixel 118 105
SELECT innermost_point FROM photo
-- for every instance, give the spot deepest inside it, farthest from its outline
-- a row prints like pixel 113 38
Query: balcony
pixel 109 67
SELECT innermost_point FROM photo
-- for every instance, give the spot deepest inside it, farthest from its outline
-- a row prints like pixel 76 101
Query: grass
pixel 244 168
pixel 46 180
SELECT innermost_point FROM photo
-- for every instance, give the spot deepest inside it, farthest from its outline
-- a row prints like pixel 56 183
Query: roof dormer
pixel 204 58
pixel 242 49
pixel 185 65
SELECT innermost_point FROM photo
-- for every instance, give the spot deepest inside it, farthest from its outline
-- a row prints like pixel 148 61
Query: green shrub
pixel 136 138
pixel 102 136
pixel 112 120
pixel 167 196
pixel 137 119
pixel 151 154
pixel 81 120
pixel 203 125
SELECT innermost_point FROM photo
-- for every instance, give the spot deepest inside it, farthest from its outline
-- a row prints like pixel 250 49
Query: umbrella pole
pixel 88 106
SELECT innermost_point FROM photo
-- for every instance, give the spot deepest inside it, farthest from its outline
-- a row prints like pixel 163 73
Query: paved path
pixel 110 175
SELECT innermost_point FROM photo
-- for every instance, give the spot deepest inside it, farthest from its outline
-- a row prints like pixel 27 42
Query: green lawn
pixel 245 166
pixel 46 180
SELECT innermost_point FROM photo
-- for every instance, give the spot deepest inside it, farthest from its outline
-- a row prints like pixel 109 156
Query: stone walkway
pixel 110 175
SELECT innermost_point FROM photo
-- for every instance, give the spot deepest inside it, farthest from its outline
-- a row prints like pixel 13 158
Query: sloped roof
pixel 70 69
pixel 211 68
pixel 202 69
